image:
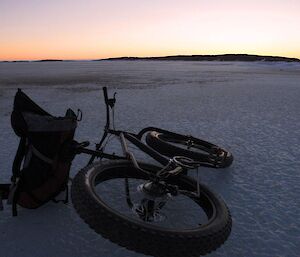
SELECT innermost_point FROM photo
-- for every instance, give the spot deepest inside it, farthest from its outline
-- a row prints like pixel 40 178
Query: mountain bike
pixel 150 209
pixel 154 209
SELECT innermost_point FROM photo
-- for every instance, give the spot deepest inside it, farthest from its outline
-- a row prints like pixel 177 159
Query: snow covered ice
pixel 252 109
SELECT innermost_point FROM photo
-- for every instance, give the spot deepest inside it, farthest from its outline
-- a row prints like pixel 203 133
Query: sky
pixel 93 29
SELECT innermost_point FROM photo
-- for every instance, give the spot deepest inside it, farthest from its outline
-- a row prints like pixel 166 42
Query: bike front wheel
pixel 171 144
pixel 111 199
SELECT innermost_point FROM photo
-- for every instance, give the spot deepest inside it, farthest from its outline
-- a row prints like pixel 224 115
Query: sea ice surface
pixel 252 109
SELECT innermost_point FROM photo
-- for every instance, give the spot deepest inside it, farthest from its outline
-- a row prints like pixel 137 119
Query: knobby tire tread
pixel 142 239
pixel 154 140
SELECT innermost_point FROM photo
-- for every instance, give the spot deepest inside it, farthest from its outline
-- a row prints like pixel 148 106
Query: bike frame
pixel 124 137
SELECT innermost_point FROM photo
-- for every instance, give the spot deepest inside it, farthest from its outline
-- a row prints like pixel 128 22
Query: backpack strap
pixel 38 154
pixel 16 171
pixel 16 168
pixel 24 150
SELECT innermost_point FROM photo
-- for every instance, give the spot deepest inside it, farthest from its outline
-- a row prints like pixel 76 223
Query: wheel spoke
pixel 182 210
pixel 123 197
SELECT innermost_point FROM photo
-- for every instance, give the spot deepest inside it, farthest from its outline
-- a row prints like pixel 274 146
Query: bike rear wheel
pixel 171 144
pixel 185 224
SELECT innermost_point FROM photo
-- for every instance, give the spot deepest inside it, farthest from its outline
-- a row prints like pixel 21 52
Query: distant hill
pixel 49 60
pixel 222 58
pixel 45 60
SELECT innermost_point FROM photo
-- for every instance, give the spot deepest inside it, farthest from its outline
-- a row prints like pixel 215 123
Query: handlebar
pixel 109 102
pixel 105 95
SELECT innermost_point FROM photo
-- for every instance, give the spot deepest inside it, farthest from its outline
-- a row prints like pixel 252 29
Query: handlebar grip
pixel 105 94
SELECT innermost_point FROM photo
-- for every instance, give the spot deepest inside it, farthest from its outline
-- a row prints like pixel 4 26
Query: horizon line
pixel 144 57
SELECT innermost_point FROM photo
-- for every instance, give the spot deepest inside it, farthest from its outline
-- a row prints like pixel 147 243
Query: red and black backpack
pixel 43 160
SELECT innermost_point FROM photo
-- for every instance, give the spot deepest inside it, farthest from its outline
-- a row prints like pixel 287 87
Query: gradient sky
pixel 90 29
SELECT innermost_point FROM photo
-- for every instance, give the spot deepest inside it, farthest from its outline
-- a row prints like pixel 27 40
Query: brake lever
pixel 111 101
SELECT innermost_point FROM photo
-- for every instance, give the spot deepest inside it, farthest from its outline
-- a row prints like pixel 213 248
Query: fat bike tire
pixel 141 236
pixel 171 144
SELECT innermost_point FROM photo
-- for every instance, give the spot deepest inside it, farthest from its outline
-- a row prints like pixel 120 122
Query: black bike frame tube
pixel 130 156
pixel 100 154
pixel 98 147
pixel 199 141
pixel 118 132
pixel 147 149
pixel 107 107
pixel 147 129
pixel 127 153
pixel 107 125
pixel 124 145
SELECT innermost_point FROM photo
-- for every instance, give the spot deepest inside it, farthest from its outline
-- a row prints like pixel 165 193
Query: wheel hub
pixel 155 196
pixel 153 189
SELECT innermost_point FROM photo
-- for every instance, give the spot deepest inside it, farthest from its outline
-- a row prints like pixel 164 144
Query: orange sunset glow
pixel 90 29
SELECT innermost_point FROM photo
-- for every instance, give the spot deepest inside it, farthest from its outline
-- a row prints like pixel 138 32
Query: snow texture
pixel 252 109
